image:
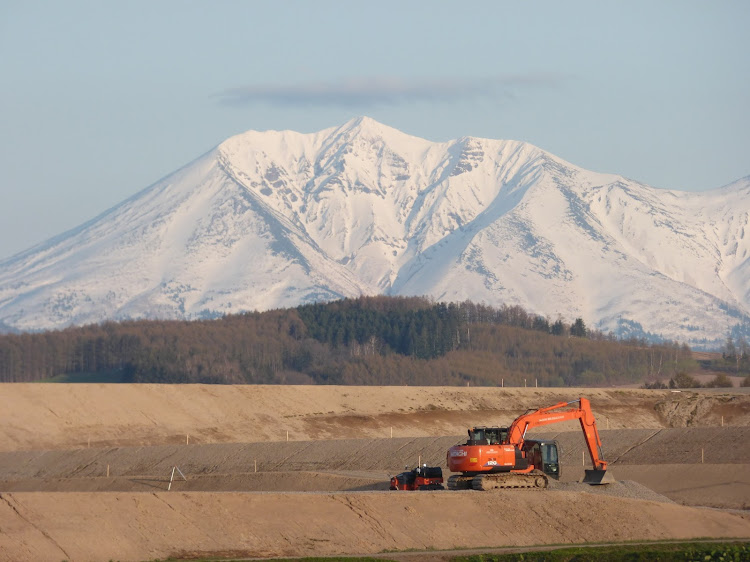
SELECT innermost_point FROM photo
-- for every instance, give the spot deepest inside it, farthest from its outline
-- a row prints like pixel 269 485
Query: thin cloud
pixel 382 91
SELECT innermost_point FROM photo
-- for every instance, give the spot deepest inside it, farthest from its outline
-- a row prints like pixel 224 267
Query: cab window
pixel 549 453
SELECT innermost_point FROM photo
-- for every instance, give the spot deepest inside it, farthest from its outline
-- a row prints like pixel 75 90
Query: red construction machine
pixel 420 478
pixel 502 457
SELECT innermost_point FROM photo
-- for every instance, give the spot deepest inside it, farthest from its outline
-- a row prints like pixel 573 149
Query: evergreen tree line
pixel 407 326
pixel 364 341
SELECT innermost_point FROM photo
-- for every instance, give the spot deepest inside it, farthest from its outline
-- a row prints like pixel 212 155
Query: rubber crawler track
pixel 506 480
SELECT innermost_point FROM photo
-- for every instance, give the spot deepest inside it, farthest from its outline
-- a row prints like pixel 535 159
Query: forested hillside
pixel 364 341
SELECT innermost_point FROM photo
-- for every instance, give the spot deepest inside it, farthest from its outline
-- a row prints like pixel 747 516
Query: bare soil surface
pixel 65 416
pixel 705 458
pixel 84 470
pixel 100 526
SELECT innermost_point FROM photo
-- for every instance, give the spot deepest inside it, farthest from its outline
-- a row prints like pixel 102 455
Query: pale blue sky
pixel 100 99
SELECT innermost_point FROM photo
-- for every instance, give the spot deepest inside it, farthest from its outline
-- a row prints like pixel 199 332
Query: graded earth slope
pixel 49 416
pixel 126 526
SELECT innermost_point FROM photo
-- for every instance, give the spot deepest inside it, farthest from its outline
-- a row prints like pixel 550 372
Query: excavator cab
pixel 544 455
pixel 487 435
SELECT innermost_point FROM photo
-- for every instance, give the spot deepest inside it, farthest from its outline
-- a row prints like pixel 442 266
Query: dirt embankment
pixel 49 416
pixel 86 526
pixel 693 409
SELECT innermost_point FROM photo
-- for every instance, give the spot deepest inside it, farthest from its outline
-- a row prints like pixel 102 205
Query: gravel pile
pixel 621 489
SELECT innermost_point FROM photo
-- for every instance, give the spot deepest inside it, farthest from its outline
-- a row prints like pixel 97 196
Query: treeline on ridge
pixel 363 341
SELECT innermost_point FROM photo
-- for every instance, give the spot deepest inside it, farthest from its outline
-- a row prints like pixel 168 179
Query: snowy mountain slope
pixel 190 245
pixel 273 219
pixel 605 249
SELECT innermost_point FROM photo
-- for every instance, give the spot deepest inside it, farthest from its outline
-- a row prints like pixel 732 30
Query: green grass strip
pixel 694 552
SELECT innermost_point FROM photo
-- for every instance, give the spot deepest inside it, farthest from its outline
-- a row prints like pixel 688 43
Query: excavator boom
pixel 555 414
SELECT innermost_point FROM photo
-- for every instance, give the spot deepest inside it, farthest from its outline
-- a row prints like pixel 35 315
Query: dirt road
pixel 666 460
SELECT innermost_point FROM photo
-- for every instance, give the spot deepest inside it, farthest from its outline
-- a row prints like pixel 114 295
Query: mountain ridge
pixel 279 218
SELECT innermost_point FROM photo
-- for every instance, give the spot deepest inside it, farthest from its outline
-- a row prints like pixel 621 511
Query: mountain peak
pixel 369 129
pixel 362 122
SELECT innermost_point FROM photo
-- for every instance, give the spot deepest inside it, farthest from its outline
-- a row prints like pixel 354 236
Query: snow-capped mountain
pixel 274 219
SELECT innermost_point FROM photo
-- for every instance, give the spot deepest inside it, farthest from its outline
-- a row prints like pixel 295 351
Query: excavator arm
pixel 559 413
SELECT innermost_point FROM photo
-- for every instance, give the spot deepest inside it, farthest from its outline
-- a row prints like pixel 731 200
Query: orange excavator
pixel 500 457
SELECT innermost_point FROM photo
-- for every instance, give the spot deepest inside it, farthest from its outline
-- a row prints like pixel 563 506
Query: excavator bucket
pixel 596 477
